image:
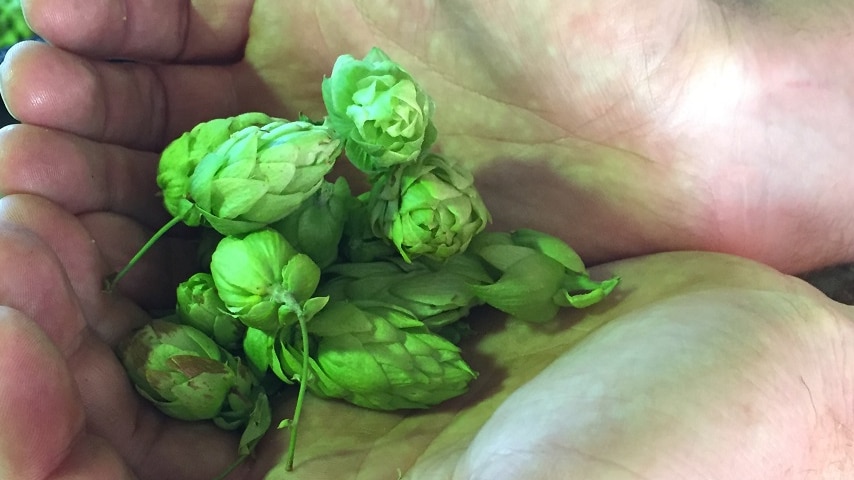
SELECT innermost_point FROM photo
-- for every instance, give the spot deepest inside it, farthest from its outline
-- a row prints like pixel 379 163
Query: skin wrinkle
pixel 183 30
pixel 159 102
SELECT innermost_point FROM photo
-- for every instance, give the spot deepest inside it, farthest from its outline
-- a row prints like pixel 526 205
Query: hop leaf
pixel 430 207
pixel 384 115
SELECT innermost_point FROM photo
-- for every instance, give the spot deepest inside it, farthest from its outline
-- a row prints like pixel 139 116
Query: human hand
pixel 115 133
pixel 668 128
pixel 720 368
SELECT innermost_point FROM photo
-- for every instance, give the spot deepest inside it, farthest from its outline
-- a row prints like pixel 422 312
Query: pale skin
pixel 655 128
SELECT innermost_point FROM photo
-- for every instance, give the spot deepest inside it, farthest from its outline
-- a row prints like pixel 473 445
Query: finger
pixel 151 281
pixel 182 30
pixel 35 285
pixel 135 105
pixel 91 250
pixel 79 175
pixel 41 412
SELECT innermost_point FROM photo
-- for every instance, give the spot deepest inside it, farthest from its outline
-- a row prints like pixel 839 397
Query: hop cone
pixel 384 115
pixel 199 306
pixel 430 207
pixel 536 274
pixel 13 27
pixel 264 281
pixel 186 375
pixel 243 181
pixel 436 296
pixel 378 356
pixel 181 157
pixel 317 226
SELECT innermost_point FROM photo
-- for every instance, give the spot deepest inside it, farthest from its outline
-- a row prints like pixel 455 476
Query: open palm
pixel 547 107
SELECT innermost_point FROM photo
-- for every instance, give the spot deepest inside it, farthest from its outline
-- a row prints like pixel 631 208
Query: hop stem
pixel 114 279
pixel 294 423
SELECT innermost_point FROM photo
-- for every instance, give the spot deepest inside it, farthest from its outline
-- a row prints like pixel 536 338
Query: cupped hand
pixel 698 366
pixel 665 126
pixel 694 350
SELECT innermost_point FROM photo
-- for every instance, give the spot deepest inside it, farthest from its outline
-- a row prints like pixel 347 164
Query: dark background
pixel 5 118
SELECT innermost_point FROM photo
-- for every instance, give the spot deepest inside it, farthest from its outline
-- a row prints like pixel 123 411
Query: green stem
pixel 111 282
pixel 292 444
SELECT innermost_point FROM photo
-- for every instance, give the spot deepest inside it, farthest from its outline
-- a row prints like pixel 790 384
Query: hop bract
pixel 264 281
pixel 378 107
pixel 430 207
pixel 186 375
pixel 379 356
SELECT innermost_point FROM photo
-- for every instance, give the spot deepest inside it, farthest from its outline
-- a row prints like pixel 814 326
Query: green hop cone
pixel 430 207
pixel 359 243
pixel 536 274
pixel 437 296
pixel 378 356
pixel 199 306
pixel 384 115
pixel 13 26
pixel 181 157
pixel 264 281
pixel 186 375
pixel 261 174
pixel 317 226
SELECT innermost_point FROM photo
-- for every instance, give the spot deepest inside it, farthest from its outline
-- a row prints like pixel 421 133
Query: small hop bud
pixel 199 306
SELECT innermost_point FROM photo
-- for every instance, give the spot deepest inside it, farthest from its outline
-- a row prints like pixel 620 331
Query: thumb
pixel 43 422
